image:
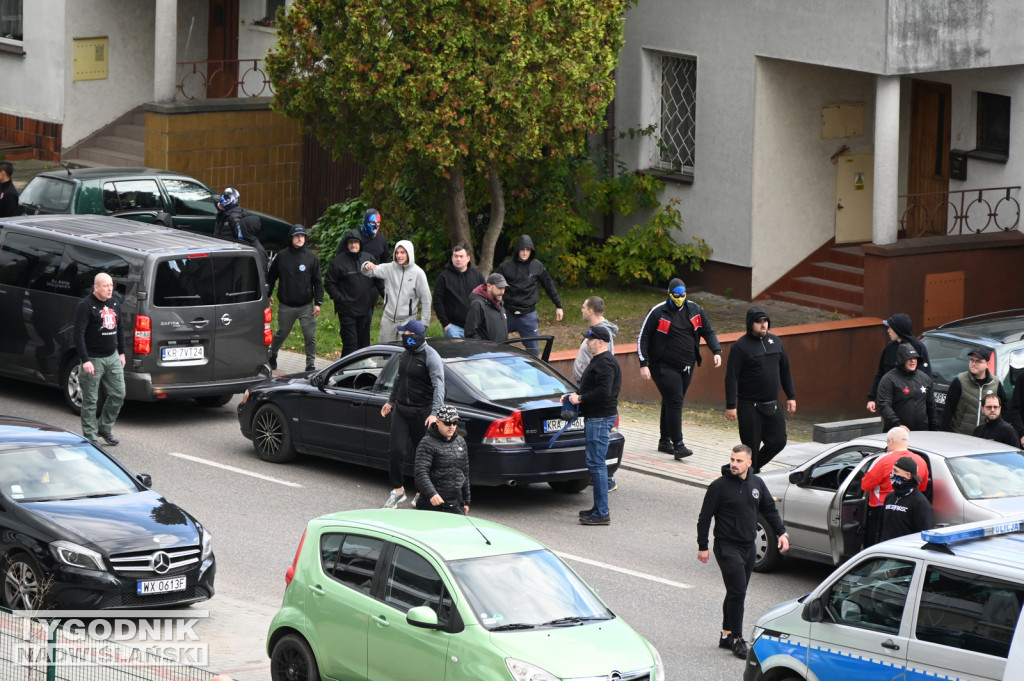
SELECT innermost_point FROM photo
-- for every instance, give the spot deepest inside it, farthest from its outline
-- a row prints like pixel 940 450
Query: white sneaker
pixel 416 500
pixel 395 499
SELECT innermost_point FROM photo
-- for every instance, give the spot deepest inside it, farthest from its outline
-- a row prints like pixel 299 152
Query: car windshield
pixel 50 472
pixel 48 195
pixel 509 377
pixel 989 476
pixel 526 590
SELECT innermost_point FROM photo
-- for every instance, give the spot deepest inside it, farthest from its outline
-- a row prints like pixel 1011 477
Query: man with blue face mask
pixel 906 510
pixel 669 349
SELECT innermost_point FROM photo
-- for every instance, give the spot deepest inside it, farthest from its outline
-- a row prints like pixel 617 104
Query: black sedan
pixel 78 531
pixel 508 402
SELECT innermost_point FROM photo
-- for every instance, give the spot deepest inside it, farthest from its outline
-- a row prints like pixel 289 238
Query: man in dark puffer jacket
pixel 442 466
pixel 905 395
pixel 900 329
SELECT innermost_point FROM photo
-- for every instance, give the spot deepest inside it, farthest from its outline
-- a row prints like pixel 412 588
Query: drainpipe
pixel 165 51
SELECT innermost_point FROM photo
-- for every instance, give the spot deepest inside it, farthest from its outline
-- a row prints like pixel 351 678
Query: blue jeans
pixel 454 331
pixel 525 325
pixel 597 432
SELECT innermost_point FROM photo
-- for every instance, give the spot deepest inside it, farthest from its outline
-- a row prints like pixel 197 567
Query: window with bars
pixel 675 112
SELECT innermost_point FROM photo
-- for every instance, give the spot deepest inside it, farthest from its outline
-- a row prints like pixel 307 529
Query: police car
pixel 944 604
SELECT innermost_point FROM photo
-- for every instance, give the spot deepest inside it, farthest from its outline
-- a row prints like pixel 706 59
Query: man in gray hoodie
pixel 405 286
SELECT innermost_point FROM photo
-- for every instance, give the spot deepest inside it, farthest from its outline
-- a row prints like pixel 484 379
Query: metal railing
pixel 973 211
pixel 220 78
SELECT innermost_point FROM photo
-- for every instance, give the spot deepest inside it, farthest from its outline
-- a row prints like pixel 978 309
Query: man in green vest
pixel 964 400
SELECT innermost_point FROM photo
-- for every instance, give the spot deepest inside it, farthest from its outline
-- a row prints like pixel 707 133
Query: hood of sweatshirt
pixel 407 245
pixel 481 290
pixel 901 324
pixel 524 242
pixel 904 352
pixel 351 235
pixel 754 314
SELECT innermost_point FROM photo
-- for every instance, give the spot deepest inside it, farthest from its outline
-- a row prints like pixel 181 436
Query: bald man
pixel 99 339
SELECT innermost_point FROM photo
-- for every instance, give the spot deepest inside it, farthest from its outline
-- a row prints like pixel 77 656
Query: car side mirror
pixel 798 477
pixel 422 617
pixel 145 478
pixel 812 610
pixel 316 380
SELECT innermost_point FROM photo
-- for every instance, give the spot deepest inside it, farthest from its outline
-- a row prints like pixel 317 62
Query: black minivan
pixel 196 312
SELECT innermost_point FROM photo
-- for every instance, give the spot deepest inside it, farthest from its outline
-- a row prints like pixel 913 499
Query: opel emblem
pixel 225 319
pixel 615 676
pixel 160 562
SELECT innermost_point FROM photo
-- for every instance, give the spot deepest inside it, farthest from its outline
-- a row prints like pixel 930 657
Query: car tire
pixel 24 583
pixel 569 486
pixel 69 385
pixel 766 544
pixel 271 436
pixel 213 400
pixel 293 660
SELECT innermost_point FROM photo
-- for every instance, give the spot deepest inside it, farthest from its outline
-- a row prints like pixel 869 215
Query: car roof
pixel 466 348
pixel 113 171
pixel 939 443
pixel 122 233
pixel 17 432
pixel 448 535
pixel 1006 550
pixel 1004 328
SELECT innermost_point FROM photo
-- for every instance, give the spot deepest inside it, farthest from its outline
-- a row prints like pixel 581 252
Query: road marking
pixel 632 573
pixel 233 469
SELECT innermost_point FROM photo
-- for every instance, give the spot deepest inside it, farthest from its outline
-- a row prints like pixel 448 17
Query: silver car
pixel 823 506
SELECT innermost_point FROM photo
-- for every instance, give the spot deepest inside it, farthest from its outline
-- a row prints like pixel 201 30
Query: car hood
pixel 995 507
pixel 592 649
pixel 126 522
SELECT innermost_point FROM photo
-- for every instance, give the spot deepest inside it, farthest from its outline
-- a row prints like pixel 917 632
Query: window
pixel 413 582
pixel 872 595
pixel 31 263
pixel 675 113
pixel 205 280
pixel 831 473
pixel 273 6
pixel 132 194
pixel 993 127
pixel 47 195
pixel 190 198
pixel 11 21
pixel 350 559
pixel 81 265
pixel 968 611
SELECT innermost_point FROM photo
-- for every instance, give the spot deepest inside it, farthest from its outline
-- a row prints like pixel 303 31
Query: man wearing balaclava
pixel 416 397
pixel 758 366
pixel 669 349
pixel 371 241
pixel 906 510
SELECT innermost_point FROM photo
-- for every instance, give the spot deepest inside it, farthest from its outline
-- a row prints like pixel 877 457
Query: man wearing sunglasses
pixel 442 466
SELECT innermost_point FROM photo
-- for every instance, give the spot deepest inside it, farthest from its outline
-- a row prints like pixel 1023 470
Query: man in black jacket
pixel 99 340
pixel 353 294
pixel 299 297
pixel 906 510
pixel 486 318
pixel 669 349
pixel 905 395
pixel 900 329
pixel 452 291
pixel 234 223
pixel 8 192
pixel 995 427
pixel 758 366
pixel 523 273
pixel 442 466
pixel 734 501
pixel 598 398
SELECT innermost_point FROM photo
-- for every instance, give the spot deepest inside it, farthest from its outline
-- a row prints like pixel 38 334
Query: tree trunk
pixel 486 260
pixel 455 203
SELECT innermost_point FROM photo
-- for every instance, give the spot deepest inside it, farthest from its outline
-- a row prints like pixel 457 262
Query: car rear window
pixel 48 195
pixel 511 377
pixel 989 476
pixel 206 280
pixel 948 357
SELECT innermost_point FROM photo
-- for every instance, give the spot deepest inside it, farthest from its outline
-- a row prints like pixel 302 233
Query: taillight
pixel 143 344
pixel 289 574
pixel 506 431
pixel 268 333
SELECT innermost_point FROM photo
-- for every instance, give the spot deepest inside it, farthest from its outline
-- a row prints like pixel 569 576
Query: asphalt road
pixel 643 565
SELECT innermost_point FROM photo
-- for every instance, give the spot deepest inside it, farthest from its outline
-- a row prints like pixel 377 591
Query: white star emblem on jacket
pixel 771 341
pixel 924 389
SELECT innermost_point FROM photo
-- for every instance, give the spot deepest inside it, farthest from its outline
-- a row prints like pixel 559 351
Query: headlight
pixel 524 671
pixel 207 542
pixel 659 666
pixel 757 633
pixel 76 556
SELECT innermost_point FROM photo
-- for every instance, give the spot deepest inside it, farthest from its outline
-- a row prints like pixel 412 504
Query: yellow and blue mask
pixel 677 295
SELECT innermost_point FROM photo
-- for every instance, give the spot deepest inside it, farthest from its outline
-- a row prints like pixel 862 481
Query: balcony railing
pixel 219 78
pixel 973 211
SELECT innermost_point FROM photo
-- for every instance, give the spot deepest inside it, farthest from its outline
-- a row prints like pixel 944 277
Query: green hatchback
pixel 392 595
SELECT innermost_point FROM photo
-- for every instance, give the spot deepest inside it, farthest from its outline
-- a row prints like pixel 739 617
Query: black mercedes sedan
pixel 508 401
pixel 79 531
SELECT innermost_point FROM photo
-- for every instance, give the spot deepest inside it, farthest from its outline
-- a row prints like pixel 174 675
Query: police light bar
pixel 985 528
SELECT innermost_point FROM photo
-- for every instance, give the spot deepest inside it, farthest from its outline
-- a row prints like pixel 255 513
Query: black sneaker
pixel 110 439
pixel 666 446
pixel 310 367
pixel 740 648
pixel 681 451
pixel 596 520
pixel 725 642
pixel 272 362
pixel 586 512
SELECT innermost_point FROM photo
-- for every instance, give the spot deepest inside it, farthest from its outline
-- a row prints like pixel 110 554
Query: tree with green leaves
pixel 459 87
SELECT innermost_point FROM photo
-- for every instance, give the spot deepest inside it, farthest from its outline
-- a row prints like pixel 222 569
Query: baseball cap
pixel 448 415
pixel 905 463
pixel 497 280
pixel 413 326
pixel 298 229
pixel 599 332
pixel 980 352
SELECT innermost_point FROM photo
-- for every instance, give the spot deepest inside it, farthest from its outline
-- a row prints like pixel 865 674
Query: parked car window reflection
pixel 413 582
pixel 872 595
pixel 511 377
pixel 61 472
pixel 190 198
pixel 129 194
pixel 48 195
pixel 350 559
pixel 989 476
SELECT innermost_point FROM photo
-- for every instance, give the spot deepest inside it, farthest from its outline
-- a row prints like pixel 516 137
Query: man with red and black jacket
pixel 668 349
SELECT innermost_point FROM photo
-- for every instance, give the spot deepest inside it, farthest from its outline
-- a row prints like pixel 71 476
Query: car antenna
pixel 470 521
pixel 66 167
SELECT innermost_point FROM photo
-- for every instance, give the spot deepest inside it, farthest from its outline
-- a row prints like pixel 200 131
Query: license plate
pixel 160 586
pixel 940 398
pixel 555 425
pixel 184 352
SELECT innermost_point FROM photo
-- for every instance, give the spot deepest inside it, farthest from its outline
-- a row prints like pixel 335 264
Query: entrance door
pixel 222 49
pixel 928 165
pixel 854 192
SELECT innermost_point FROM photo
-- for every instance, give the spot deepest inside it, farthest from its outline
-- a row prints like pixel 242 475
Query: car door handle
pixel 381 620
pixel 200 323
pixel 888 643
pixel 317 589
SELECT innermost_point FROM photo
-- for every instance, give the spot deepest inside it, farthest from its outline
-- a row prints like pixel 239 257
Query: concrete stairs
pixel 121 144
pixel 831 279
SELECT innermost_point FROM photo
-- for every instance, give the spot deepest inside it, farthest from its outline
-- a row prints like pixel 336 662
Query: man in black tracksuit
pixel 758 366
pixel 300 295
pixel 452 290
pixel 353 294
pixel 524 272
pixel 735 500
pixel 906 509
pixel 442 465
pixel 668 349
pixel 901 330
pixel 905 395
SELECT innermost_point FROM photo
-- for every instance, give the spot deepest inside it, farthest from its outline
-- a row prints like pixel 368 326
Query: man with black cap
pixel 598 398
pixel 995 427
pixel 963 413
pixel 300 295
pixel 486 317
pixel 900 329
pixel 442 465
pixel 525 274
pixel 905 395
pixel 906 510
pixel 353 294
pixel 758 366
pixel 414 403
pixel 668 349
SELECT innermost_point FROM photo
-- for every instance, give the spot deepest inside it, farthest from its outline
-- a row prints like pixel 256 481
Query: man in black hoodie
pixel 353 294
pixel 900 329
pixel 8 192
pixel 734 501
pixel 905 395
pixel 523 273
pixel 300 296
pixel 757 367
pixel 452 290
